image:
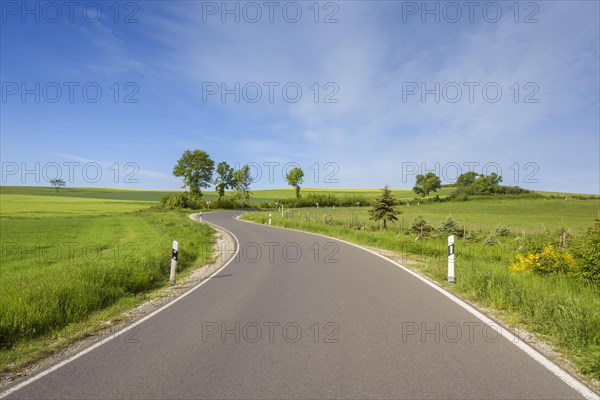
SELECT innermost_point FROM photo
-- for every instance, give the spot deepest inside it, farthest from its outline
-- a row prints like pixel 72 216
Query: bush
pixel 515 190
pixel 450 227
pixel 421 226
pixel 586 250
pixel 181 200
pixel 548 261
pixel 482 187
pixel 536 242
pixel 177 200
pixel 491 240
pixel 227 203
pixel 502 231
pixel 327 200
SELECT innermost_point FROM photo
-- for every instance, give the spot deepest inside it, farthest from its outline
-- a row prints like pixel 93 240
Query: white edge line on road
pixel 570 380
pixel 124 330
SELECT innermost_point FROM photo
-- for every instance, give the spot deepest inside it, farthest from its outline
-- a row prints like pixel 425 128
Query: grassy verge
pixel 564 310
pixel 68 263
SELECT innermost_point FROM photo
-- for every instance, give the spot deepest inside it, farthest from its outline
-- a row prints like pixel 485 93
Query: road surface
pixel 301 316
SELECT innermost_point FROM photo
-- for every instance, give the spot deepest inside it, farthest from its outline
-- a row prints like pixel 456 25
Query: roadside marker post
pixel 269 219
pixel 200 217
pixel 451 259
pixel 174 256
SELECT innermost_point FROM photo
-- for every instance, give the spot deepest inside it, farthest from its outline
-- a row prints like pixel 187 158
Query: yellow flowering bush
pixel 548 261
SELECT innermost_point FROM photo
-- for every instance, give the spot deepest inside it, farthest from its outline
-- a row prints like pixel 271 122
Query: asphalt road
pixel 301 316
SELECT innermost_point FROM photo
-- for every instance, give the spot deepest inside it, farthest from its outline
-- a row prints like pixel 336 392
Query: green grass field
pixel 529 215
pixel 282 194
pixel 65 258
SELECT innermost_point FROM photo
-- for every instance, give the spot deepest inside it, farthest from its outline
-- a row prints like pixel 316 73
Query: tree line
pixel 197 169
pixel 469 183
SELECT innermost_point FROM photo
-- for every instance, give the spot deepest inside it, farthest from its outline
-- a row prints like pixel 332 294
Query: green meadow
pixel 530 215
pixel 68 255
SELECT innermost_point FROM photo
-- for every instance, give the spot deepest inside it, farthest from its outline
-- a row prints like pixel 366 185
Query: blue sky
pixel 496 88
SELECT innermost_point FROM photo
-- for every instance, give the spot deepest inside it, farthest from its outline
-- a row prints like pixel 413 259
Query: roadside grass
pixel 529 215
pixel 65 260
pixel 563 309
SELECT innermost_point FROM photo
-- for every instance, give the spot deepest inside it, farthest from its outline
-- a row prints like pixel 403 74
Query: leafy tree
pixel 295 178
pixel 426 184
pixel 383 207
pixel 57 183
pixel 466 179
pixel 489 184
pixel 224 179
pixel 241 181
pixel 196 167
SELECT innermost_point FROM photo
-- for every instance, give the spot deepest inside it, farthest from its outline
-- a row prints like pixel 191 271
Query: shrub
pixel 514 190
pixel 548 261
pixel 586 250
pixel 491 240
pixel 181 200
pixel 421 226
pixel 536 242
pixel 227 203
pixel 450 227
pixel 502 231
pixel 177 200
pixel 471 235
pixel 327 200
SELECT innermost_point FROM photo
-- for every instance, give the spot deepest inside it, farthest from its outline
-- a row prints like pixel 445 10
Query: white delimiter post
pixel 269 219
pixel 451 259
pixel 174 262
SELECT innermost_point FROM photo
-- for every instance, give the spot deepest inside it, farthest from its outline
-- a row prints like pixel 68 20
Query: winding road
pixel 296 315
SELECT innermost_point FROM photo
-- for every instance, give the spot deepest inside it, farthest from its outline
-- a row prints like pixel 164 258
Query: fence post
pixel 174 256
pixel 451 259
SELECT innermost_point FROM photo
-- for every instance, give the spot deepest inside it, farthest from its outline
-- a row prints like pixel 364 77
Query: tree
pixel 421 227
pixel 57 183
pixel 450 227
pixel 487 184
pixel 196 167
pixel 241 181
pixel 466 179
pixel 383 207
pixel 295 178
pixel 224 179
pixel 426 184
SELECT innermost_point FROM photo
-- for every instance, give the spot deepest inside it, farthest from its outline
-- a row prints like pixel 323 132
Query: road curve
pixel 296 315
